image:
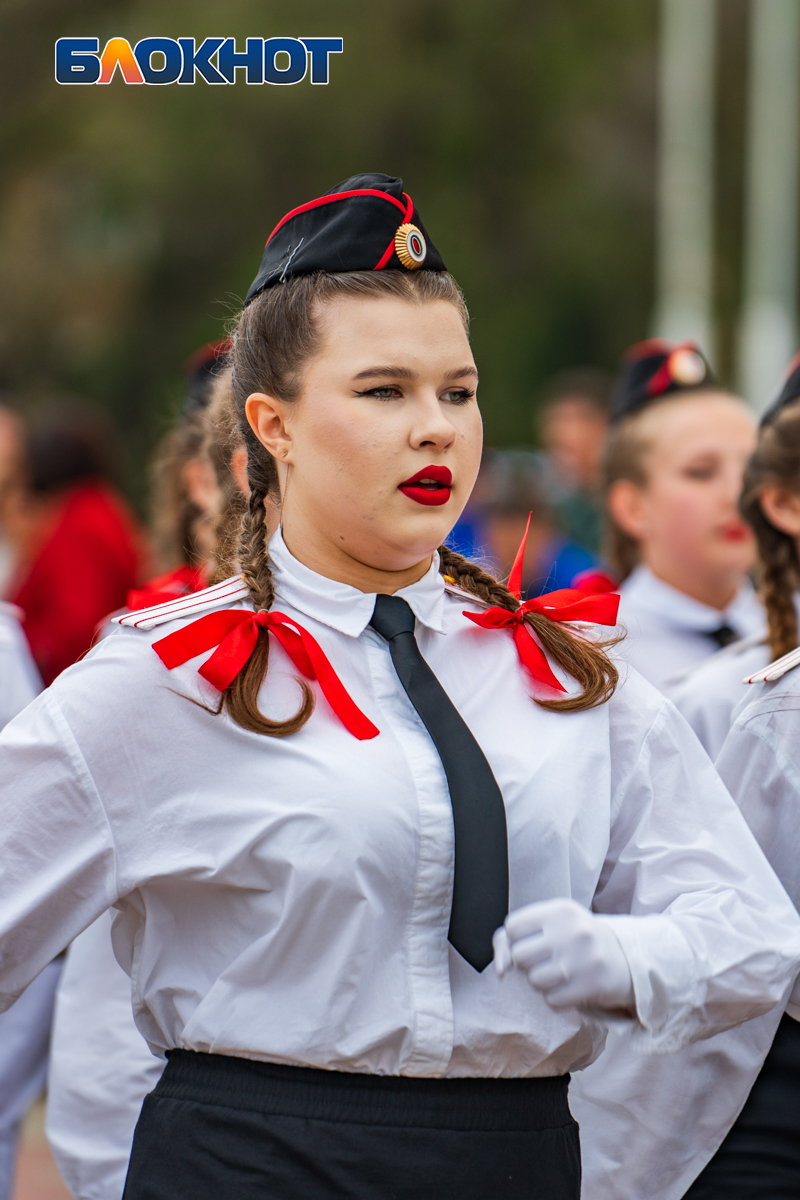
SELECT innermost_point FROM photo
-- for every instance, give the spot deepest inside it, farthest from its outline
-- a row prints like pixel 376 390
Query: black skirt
pixel 218 1127
pixel 760 1157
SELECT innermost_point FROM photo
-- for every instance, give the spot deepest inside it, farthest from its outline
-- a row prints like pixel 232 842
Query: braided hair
pixel 775 460
pixel 275 337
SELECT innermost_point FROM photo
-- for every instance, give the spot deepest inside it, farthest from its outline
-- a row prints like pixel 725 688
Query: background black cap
pixel 789 392
pixel 201 369
pixel 656 368
pixel 356 226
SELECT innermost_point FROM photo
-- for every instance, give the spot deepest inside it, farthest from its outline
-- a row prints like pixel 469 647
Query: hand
pixel 573 957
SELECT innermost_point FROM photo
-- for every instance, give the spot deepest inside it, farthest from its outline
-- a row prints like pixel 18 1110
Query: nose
pixel 432 429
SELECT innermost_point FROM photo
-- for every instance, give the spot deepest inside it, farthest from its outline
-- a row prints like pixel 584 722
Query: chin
pixel 406 541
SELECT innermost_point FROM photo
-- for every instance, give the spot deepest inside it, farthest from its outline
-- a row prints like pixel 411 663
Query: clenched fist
pixel 573 957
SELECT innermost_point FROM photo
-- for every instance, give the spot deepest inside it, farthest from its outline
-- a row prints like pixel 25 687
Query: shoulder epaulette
pixel 228 592
pixel 777 669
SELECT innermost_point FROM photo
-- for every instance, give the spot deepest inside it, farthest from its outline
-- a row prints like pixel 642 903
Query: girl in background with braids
pixel 101 1068
pixel 708 694
pixel 760 1157
pixel 387 848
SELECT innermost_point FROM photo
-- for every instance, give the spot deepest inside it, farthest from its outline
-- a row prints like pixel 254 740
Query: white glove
pixel 571 956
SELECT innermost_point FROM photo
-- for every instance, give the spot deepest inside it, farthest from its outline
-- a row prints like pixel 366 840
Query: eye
pixel 701 472
pixel 458 395
pixel 389 392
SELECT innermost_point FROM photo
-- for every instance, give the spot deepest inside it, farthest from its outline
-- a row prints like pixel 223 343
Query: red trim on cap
pixel 207 354
pixel 387 254
pixel 329 200
pixel 663 377
pixel 647 347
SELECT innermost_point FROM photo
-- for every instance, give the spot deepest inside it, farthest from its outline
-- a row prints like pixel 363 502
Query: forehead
pixel 687 423
pixel 354 330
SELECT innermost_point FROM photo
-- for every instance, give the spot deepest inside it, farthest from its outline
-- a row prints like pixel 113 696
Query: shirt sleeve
pixel 758 765
pixel 57 860
pixel 711 937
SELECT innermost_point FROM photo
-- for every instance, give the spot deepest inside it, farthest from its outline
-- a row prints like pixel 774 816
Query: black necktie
pixel 480 884
pixel 724 635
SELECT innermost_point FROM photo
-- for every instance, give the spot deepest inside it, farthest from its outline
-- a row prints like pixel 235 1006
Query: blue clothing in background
pixel 557 570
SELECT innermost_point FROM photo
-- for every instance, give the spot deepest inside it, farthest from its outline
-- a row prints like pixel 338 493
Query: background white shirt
pixel 667 630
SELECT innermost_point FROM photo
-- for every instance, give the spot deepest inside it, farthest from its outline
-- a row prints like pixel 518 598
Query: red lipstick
pixel 735 531
pixel 429 486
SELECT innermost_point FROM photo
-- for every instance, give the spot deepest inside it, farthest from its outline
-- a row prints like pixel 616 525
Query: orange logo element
pixel 118 53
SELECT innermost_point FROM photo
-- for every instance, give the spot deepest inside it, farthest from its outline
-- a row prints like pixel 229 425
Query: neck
pixel 716 589
pixel 336 564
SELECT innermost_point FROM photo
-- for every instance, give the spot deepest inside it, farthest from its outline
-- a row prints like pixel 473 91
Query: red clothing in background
pixel 90 556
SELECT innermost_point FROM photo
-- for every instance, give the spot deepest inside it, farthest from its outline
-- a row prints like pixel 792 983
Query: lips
pixel 735 531
pixel 430 486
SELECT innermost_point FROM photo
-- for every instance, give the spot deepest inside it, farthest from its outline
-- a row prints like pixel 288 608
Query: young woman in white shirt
pixel 674 462
pixel 760 1157
pixel 618 1140
pixel 708 694
pixel 311 834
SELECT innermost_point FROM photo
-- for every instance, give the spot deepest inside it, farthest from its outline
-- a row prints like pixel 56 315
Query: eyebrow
pixel 406 373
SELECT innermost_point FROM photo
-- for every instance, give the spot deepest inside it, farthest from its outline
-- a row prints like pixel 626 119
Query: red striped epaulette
pixel 230 591
pixel 775 670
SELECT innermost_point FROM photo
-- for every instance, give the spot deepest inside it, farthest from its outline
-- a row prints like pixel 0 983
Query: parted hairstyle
pixel 775 460
pixel 276 335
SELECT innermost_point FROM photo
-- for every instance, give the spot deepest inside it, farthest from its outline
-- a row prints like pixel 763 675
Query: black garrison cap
pixel 201 369
pixel 789 392
pixel 657 368
pixel 366 223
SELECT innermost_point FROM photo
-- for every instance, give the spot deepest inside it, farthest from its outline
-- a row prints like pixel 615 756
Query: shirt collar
pixel 342 607
pixel 684 612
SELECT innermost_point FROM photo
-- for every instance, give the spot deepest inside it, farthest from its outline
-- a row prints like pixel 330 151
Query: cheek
pixel 684 514
pixel 345 456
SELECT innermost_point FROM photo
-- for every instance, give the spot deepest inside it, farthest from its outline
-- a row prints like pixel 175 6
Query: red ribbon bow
pixel 567 604
pixel 235 632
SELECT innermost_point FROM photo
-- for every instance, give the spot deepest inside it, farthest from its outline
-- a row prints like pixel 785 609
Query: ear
pixel 781 507
pixel 266 416
pixel 626 504
pixel 239 470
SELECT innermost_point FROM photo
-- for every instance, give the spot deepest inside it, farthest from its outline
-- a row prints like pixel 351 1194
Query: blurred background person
pixel 184 484
pixel 760 1156
pixel 708 693
pixel 101 1068
pixel 25 1027
pixel 78 548
pixel 514 487
pixel 11 457
pixel 573 425
pixel 675 538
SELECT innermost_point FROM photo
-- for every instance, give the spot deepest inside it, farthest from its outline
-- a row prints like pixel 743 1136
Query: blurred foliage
pixel 132 218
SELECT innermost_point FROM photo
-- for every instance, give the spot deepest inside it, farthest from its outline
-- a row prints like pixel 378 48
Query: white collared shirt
pixel 19 679
pixel 667 630
pixel 288 899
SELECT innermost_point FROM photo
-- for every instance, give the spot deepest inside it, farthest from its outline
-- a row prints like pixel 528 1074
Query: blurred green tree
pixel 132 218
